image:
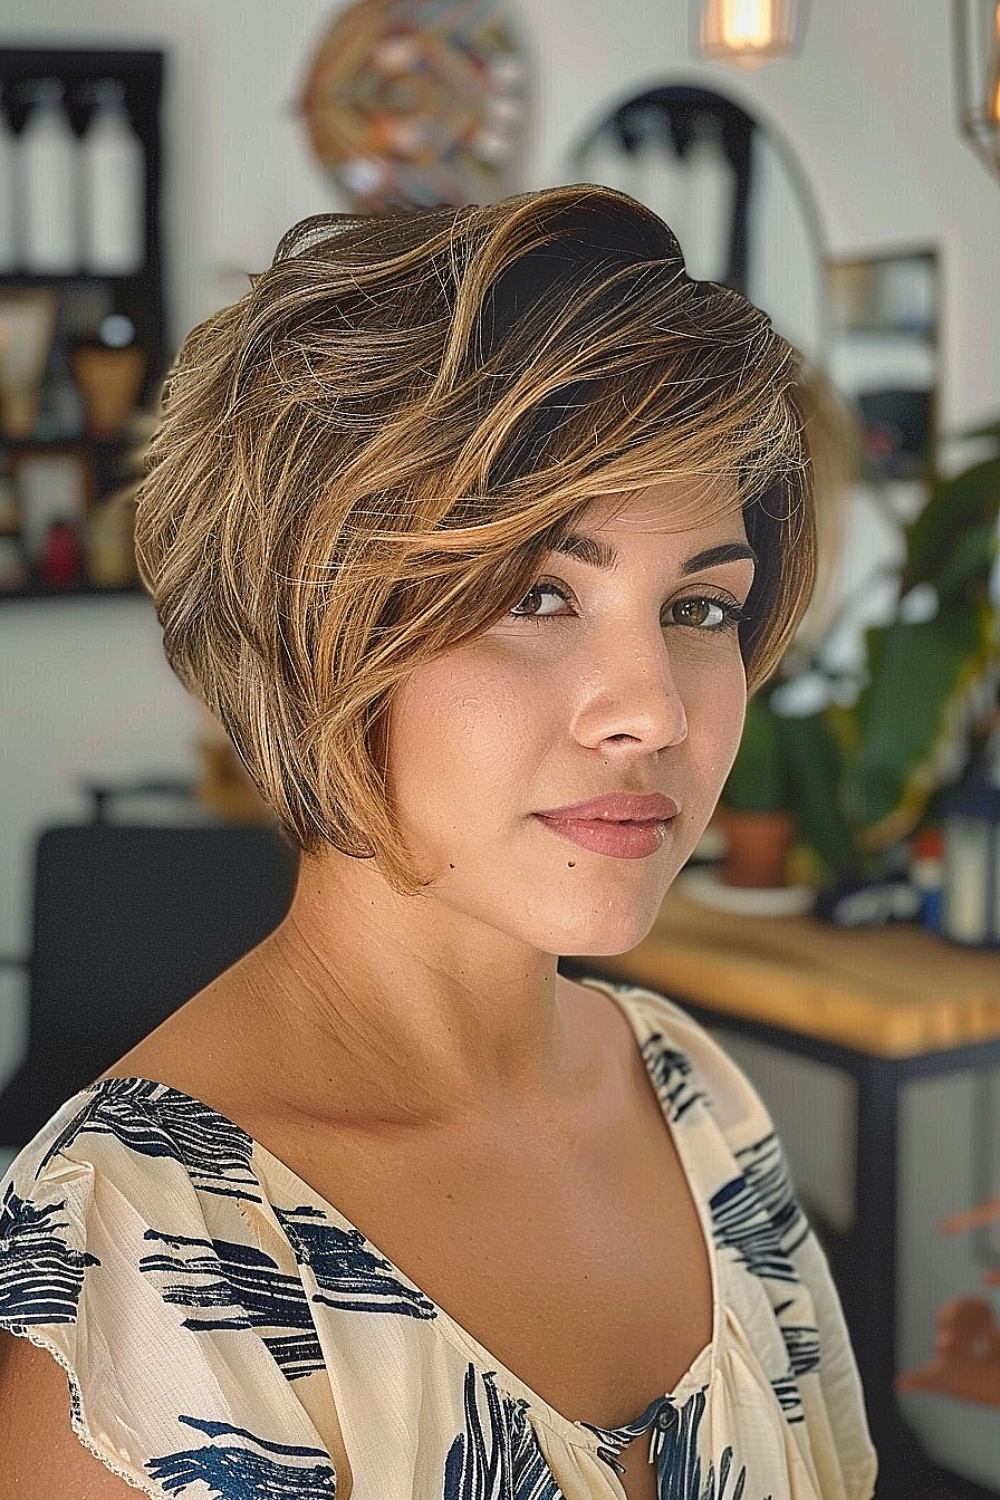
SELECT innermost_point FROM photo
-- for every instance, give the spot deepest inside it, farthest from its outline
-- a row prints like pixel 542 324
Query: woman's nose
pixel 631 697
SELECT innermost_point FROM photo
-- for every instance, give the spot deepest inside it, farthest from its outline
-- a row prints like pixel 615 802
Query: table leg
pixel 870 1295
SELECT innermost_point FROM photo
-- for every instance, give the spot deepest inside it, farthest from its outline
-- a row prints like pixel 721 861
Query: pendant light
pixel 747 33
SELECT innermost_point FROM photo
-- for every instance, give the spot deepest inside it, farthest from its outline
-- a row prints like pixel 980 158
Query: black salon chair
pixel 129 922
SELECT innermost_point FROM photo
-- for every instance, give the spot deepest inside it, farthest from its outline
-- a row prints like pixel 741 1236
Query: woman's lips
pixel 623 825
pixel 619 840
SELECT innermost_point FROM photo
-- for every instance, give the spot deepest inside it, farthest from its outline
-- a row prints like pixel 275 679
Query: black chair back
pixel 129 923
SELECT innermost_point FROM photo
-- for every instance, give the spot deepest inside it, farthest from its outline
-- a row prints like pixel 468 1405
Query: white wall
pixel 867 107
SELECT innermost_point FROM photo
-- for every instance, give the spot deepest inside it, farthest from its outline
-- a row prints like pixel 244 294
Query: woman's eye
pixel 541 600
pixel 704 614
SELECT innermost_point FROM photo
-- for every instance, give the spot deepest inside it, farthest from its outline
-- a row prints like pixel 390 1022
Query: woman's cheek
pixel 732 708
pixel 715 698
pixel 472 713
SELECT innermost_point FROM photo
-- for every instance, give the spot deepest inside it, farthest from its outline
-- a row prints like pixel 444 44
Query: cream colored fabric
pixel 227 1332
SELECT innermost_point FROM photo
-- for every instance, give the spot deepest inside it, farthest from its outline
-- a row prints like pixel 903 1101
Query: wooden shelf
pixel 81 440
pixel 85 297
pixel 77 591
pixel 59 279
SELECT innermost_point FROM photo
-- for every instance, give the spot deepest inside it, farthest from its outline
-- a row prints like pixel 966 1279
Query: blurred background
pixel 837 162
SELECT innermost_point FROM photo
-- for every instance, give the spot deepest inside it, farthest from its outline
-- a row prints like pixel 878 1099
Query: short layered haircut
pixel 363 462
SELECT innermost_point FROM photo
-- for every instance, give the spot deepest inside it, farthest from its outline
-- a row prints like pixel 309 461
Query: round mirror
pixel 733 193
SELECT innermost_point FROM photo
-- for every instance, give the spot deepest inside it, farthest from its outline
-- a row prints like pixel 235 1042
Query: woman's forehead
pixel 666 507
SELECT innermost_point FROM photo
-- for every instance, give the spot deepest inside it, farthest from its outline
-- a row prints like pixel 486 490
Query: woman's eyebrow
pixel 597 554
pixel 588 550
pixel 724 553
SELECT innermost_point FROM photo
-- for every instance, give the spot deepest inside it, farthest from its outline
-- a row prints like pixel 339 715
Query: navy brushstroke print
pixel 348 1270
pixel 252 1469
pixel 614 1439
pixel 765 1169
pixel 740 1225
pixel 789 1398
pixel 673 1076
pixel 756 1217
pixel 41 1274
pixel 499 1459
pixel 678 1465
pixel 803 1347
pixel 230 1286
pixel 154 1120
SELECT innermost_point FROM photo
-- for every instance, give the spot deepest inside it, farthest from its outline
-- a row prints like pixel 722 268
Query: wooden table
pixel 885 1005
pixel 887 991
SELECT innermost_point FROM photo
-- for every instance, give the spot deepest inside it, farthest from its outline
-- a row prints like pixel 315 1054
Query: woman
pixel 470 527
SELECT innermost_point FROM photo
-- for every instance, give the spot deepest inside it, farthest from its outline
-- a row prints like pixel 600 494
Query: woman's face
pixel 618 676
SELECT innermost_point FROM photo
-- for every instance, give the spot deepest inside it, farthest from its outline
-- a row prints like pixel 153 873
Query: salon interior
pixel 839 925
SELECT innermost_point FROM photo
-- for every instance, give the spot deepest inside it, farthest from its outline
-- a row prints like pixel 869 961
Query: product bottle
pixel 13 568
pixel 8 253
pixel 927 875
pixel 114 177
pixel 61 559
pixel 48 156
pixel 971 824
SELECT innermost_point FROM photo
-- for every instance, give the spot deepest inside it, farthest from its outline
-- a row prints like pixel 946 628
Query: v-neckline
pixel 581 1433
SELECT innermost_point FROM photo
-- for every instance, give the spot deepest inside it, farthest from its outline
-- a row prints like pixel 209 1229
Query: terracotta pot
pixel 758 843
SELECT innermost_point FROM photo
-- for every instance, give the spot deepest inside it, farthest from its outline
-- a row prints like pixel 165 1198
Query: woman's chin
pixel 606 934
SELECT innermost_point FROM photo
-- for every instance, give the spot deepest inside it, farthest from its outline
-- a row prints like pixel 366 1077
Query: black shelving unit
pixel 139 296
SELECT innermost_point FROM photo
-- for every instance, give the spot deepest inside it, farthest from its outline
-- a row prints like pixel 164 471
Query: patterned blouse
pixel 219 1320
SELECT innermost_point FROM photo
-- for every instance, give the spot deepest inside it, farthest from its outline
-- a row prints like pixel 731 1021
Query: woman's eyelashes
pixel 699 611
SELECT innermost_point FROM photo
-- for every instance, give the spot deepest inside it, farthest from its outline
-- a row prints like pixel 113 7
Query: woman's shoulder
pixel 126 1151
pixel 680 1051
pixel 136 1221
pixel 124 1161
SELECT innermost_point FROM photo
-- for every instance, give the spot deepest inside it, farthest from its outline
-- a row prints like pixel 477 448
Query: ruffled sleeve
pixel 126 1251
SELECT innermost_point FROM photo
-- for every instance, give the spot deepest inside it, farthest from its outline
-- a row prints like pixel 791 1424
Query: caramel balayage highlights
pixel 364 461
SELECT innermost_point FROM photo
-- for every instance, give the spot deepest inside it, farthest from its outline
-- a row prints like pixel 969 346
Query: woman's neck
pixel 428 1016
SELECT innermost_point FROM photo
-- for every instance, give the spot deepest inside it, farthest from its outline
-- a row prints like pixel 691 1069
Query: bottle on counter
pixel 970 911
pixel 109 545
pixel 13 566
pixel 48 162
pixel 114 183
pixel 927 875
pixel 62 559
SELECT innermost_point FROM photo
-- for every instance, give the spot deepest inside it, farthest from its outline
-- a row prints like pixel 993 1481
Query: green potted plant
pixel 928 667
pixel 784 788
pixel 853 781
pixel 756 809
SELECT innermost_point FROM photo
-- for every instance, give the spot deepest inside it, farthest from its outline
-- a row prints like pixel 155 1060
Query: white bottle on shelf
pixel 114 179
pixel 8 251
pixel 48 155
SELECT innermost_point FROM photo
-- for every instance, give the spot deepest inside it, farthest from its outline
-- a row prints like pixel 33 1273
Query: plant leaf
pixel 815 764
pixel 969 499
pixel 991 430
pixel 966 570
pixel 917 672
